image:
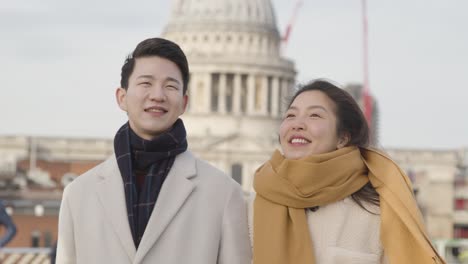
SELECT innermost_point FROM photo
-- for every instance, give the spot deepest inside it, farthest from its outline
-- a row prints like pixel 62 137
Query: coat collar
pixel 176 189
pixel 112 197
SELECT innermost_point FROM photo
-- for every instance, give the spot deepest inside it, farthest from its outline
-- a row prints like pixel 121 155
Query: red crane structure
pixel 366 91
pixel 290 25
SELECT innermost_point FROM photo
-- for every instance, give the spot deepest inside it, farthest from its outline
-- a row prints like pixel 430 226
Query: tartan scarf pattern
pixel 154 158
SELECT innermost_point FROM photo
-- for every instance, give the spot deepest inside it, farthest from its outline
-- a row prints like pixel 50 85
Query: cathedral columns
pixel 284 88
pixel 237 94
pixel 275 88
pixel 192 93
pixel 206 104
pixel 263 95
pixel 222 93
pixel 250 93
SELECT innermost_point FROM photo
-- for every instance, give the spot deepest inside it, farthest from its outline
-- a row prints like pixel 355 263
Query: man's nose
pixel 157 93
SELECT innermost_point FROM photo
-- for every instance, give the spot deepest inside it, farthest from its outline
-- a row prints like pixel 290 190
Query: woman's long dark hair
pixel 351 123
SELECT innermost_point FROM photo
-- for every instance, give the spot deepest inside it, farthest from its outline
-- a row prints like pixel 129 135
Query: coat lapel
pixel 174 192
pixel 111 194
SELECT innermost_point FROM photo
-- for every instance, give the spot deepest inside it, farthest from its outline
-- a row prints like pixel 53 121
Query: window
pixel 229 92
pixel 243 95
pixel 258 93
pixel 270 92
pixel 280 97
pixel 199 94
pixel 411 175
pixel 47 239
pixel 35 238
pixel 461 204
pixel 214 91
pixel 189 91
pixel 459 182
pixel 236 172
pixel 460 231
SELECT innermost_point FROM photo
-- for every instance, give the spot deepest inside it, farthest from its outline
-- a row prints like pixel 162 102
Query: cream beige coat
pixel 342 233
pixel 200 218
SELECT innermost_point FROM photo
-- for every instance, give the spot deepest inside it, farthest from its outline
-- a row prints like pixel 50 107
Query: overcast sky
pixel 60 62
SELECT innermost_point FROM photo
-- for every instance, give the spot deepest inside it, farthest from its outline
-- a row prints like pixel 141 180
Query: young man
pixel 153 202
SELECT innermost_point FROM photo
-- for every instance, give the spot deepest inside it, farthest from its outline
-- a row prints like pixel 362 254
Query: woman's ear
pixel 343 141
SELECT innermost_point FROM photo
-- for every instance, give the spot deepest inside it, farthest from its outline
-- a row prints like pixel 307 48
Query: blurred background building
pixel 239 85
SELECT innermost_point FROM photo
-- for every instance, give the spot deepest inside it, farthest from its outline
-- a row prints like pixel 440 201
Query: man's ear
pixel 185 102
pixel 343 140
pixel 121 97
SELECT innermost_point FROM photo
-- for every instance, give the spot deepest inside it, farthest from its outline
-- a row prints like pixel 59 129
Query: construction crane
pixel 290 25
pixel 367 98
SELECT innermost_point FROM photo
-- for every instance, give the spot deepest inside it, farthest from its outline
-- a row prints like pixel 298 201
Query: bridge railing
pixel 25 256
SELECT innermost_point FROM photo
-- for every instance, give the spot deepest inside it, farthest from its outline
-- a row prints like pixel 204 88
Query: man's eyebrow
pixel 172 79
pixel 145 77
pixel 153 78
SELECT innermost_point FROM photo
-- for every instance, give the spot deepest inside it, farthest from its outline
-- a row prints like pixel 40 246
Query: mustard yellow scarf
pixel 286 187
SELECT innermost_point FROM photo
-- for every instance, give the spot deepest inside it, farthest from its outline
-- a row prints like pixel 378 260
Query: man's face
pixel 154 99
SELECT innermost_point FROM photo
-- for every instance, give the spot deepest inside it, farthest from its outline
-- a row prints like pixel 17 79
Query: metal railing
pixel 454 251
pixel 25 256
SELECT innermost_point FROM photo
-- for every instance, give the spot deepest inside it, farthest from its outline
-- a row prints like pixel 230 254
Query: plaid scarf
pixel 154 158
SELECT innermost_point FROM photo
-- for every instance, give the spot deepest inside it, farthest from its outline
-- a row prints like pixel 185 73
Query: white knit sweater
pixel 342 233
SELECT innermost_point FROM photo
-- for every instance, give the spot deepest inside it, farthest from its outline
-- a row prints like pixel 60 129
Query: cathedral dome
pixel 238 15
pixel 224 27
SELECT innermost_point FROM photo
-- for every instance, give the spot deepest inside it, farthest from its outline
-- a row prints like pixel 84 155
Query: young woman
pixel 326 198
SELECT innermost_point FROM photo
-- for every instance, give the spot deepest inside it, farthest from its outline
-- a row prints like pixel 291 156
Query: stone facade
pixel 434 174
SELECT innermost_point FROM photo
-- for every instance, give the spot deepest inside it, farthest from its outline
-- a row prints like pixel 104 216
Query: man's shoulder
pixel 92 175
pixel 203 166
pixel 208 173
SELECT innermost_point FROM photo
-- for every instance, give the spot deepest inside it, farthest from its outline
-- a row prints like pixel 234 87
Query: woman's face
pixel 309 126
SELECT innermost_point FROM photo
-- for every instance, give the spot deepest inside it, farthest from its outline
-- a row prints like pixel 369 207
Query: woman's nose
pixel 298 124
